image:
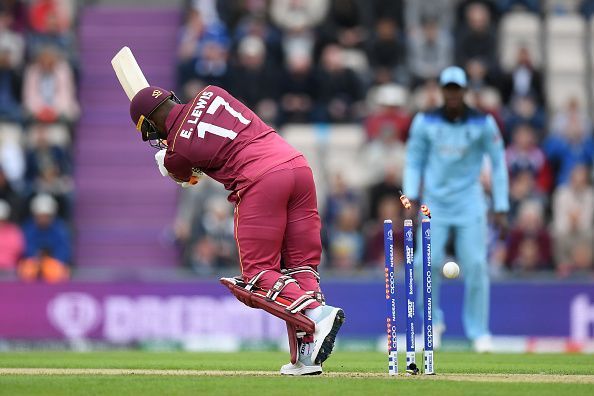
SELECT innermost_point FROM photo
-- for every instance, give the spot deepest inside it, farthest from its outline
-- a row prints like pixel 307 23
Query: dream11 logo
pixel 74 314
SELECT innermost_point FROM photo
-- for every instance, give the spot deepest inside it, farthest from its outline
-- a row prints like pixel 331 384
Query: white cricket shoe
pixel 304 364
pixel 483 344
pixel 328 320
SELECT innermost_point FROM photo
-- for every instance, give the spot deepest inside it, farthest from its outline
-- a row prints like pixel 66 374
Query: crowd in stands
pixel 368 63
pixel 374 64
pixel 38 109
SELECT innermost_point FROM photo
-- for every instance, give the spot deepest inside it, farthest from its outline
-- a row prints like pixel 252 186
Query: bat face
pixel 128 72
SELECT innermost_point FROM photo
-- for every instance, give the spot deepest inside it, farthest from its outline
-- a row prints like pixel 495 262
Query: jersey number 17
pixel 207 127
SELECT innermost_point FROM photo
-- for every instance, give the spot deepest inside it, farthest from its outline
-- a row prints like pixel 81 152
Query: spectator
pixel 49 171
pixel 529 244
pixel 580 265
pixel 254 80
pixel 477 39
pixel 51 24
pixel 488 100
pixel 202 51
pixel 48 16
pixel 587 8
pixel 48 249
pixel 191 207
pixel 214 247
pixel 338 89
pixel 257 26
pixel 524 110
pixel 523 188
pixel 345 24
pixel 49 93
pixel 298 15
pixel 345 241
pixel 523 154
pixel 478 77
pixel 298 89
pixel 10 108
pixel 11 197
pixel 391 118
pixel 389 208
pixel 463 6
pixel 233 12
pixel 341 195
pixel 387 50
pixel 427 96
pixel 12 160
pixel 573 217
pixel 573 116
pixel 430 51
pixel 440 10
pixel 389 186
pixel 393 9
pixel 11 42
pixel 18 12
pixel 564 151
pixel 523 80
pixel 12 243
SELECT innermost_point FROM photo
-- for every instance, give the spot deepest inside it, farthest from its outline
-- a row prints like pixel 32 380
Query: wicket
pixel 390 298
pixel 411 367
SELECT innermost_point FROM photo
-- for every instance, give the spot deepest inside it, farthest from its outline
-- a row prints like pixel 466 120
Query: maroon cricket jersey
pixel 224 138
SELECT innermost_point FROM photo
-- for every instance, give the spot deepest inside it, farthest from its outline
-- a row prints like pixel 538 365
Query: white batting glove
pixel 160 158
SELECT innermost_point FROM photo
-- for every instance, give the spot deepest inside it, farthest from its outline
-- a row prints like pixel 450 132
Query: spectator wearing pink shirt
pixel 12 242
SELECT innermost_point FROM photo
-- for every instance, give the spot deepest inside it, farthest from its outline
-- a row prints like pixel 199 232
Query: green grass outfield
pixel 346 373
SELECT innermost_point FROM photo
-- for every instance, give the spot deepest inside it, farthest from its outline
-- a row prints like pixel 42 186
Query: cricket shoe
pixel 328 320
pixel 483 344
pixel 304 364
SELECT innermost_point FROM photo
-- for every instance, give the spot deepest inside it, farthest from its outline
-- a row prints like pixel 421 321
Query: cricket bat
pixel 128 72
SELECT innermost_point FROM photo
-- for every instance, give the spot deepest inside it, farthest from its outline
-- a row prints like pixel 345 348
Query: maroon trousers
pixel 277 217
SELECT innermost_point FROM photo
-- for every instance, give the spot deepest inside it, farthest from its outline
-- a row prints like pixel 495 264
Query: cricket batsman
pixel 277 225
pixel 444 158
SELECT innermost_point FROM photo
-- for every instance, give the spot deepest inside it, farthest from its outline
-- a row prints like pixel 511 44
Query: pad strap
pixel 278 287
pixel 279 307
pixel 301 303
pixel 254 280
pixel 302 269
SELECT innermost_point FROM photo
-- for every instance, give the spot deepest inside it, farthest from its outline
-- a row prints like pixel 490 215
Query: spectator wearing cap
pixel 45 234
pixel 391 116
pixel 12 242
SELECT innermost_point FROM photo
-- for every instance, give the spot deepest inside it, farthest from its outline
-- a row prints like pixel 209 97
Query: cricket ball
pixel 451 270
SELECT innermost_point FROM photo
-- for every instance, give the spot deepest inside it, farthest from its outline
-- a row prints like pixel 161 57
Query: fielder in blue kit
pixel 445 154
